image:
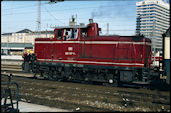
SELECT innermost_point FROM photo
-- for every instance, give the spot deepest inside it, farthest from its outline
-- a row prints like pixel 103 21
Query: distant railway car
pixel 80 53
pixel 156 58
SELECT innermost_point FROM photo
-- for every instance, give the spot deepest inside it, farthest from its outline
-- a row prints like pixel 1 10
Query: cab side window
pixel 74 34
pixel 59 34
pixel 67 34
pixel 84 33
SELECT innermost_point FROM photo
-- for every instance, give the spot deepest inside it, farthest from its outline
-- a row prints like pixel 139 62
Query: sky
pixel 119 14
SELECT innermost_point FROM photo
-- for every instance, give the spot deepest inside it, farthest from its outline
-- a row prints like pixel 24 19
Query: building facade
pixel 17 41
pixel 153 19
pixel 24 36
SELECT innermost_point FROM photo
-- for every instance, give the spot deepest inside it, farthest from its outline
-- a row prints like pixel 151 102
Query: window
pixel 70 34
pixel 59 34
pixel 74 33
pixel 84 33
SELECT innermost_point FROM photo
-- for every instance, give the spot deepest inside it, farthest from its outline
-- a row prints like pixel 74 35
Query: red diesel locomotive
pixel 80 53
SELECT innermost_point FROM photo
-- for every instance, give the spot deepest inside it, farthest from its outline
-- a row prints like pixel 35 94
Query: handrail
pixel 8 93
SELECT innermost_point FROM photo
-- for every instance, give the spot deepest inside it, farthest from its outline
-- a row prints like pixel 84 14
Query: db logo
pixel 70 49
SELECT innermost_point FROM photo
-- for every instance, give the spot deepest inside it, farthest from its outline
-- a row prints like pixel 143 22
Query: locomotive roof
pixel 67 27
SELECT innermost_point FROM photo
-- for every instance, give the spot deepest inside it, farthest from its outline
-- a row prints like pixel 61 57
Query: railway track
pixel 11 67
pixel 16 70
pixel 86 97
pixel 11 62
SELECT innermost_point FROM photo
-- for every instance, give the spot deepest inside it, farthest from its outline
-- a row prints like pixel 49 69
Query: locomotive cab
pixel 74 32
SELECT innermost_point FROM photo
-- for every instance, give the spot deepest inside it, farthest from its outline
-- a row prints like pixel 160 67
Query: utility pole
pixel 8 46
pixel 154 24
pixel 39 19
pixel 154 42
pixel 107 28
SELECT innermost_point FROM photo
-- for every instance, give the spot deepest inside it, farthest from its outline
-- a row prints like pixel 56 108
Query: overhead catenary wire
pixel 39 18
pixel 35 5
pixel 52 15
pixel 61 11
pixel 113 19
pixel 67 9
pixel 120 30
pixel 20 7
pixel 48 3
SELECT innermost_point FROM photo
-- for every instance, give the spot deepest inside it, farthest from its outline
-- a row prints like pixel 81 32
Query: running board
pixel 139 82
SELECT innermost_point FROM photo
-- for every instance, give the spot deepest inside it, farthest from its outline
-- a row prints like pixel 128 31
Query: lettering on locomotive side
pixel 70 53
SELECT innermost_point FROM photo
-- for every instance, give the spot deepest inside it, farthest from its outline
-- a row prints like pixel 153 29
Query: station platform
pixel 11 60
pixel 29 107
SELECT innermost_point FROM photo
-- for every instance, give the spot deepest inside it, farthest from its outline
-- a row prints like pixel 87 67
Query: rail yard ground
pixel 88 97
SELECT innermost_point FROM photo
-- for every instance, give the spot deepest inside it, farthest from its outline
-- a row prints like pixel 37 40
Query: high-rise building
pixel 153 19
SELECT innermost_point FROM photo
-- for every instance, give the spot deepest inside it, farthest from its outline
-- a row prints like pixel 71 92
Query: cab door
pixel 70 46
pixel 57 44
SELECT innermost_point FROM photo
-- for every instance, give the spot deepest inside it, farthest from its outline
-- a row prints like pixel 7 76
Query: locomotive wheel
pixel 112 82
pixel 34 76
pixel 52 76
pixel 115 83
pixel 45 75
pixel 78 76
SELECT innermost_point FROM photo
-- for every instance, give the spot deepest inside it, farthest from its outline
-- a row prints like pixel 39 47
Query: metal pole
pixel 46 33
pixel 107 28
pixel 8 46
pixel 154 43
pixel 39 18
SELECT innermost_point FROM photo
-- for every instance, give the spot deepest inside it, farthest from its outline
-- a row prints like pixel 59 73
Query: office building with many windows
pixel 153 19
